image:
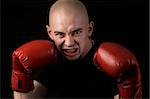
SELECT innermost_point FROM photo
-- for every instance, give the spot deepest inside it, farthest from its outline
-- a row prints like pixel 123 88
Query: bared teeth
pixel 70 50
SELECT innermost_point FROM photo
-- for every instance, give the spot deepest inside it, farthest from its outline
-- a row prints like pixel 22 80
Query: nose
pixel 69 41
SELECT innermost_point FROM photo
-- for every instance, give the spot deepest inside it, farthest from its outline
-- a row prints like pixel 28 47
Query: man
pixel 66 69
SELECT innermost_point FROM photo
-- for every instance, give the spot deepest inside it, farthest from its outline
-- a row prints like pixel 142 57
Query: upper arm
pixel 39 91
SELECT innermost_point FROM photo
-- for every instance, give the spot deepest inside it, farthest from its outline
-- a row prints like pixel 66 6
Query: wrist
pixel 22 82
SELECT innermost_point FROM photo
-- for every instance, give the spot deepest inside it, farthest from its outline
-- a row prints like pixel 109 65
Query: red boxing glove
pixel 119 63
pixel 27 59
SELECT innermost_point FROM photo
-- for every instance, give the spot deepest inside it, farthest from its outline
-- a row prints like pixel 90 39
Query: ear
pixel 49 31
pixel 91 26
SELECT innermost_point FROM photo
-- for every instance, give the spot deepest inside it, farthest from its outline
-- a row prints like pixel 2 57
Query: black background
pixel 120 21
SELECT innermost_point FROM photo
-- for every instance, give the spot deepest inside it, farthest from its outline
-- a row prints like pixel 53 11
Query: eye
pixel 76 33
pixel 59 35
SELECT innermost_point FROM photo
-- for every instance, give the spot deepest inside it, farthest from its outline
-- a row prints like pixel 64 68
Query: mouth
pixel 71 52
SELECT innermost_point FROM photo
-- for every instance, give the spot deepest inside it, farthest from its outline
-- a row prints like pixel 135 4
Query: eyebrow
pixel 58 32
pixel 78 29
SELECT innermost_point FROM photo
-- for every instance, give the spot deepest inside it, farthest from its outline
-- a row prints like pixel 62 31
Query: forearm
pixel 39 91
pixel 116 96
pixel 19 95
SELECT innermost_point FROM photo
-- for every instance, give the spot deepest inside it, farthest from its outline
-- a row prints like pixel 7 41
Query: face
pixel 71 34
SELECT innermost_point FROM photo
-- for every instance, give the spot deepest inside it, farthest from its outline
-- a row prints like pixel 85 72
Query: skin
pixel 70 29
pixel 38 92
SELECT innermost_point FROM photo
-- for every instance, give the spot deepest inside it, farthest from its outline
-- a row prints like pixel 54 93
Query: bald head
pixel 70 29
pixel 69 8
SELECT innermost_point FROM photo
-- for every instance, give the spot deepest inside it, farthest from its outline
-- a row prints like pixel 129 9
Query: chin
pixel 72 58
